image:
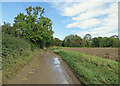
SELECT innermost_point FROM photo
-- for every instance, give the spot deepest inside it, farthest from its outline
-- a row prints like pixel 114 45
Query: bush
pixel 13 46
pixel 16 52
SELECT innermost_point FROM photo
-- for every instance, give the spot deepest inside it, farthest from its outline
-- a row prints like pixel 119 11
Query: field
pixel 91 69
pixel 109 53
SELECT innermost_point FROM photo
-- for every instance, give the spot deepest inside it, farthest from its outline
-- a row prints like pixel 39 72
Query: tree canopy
pixel 88 41
pixel 72 41
pixel 33 26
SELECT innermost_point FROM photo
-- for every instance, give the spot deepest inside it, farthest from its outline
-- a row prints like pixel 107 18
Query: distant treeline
pixel 87 41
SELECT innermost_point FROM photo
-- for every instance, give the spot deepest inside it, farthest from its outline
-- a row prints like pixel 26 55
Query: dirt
pixel 108 53
pixel 45 68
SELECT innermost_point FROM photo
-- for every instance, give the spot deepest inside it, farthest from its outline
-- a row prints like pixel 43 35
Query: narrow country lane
pixel 50 69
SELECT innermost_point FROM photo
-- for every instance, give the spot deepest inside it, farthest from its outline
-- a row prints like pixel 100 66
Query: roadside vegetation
pixel 29 32
pixel 16 53
pixel 90 69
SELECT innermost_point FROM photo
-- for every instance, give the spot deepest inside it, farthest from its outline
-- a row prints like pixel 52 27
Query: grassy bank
pixel 91 69
pixel 16 52
pixel 11 65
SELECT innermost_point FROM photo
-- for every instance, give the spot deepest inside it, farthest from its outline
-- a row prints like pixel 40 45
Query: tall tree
pixel 88 40
pixel 34 26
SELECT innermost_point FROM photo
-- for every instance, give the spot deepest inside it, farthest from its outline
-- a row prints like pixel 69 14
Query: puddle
pixel 58 70
pixel 56 62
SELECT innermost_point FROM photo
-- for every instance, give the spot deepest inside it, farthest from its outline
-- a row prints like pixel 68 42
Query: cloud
pixel 85 24
pixel 96 18
pixel 89 14
pixel 75 24
pixel 80 7
pixel 95 33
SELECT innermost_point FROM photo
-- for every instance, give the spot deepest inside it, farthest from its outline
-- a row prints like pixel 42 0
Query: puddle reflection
pixel 57 64
pixel 56 61
pixel 60 73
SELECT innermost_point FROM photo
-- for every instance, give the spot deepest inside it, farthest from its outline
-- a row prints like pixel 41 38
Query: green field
pixel 91 69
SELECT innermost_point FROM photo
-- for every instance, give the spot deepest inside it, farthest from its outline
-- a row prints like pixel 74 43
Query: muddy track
pixel 46 68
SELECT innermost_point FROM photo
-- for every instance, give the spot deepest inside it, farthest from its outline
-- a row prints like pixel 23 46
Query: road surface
pixel 46 68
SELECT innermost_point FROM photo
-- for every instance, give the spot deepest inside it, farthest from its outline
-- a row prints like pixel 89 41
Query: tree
pixel 105 42
pixel 34 27
pixel 7 28
pixel 115 36
pixel 88 40
pixel 72 41
pixel 83 43
pixel 112 42
pixel 57 42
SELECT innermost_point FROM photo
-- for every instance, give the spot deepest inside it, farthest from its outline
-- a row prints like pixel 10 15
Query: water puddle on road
pixel 59 71
pixel 56 62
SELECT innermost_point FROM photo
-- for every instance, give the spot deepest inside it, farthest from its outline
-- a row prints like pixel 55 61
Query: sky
pixel 95 18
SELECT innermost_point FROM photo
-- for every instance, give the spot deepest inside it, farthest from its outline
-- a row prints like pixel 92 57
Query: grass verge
pixel 11 65
pixel 16 52
pixel 91 69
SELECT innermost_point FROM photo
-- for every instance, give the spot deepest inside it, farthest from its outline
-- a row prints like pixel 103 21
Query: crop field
pixel 109 53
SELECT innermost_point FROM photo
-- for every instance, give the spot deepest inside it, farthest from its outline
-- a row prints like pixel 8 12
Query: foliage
pixel 72 41
pixel 57 42
pixel 105 42
pixel 55 48
pixel 13 46
pixel 15 54
pixel 88 41
pixel 91 69
pixel 29 31
pixel 8 29
pixel 34 26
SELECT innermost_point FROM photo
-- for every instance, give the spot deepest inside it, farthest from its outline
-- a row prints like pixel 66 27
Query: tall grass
pixel 91 69
pixel 16 52
pixel 13 46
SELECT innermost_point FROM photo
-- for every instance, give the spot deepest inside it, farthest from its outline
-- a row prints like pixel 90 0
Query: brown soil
pixel 109 53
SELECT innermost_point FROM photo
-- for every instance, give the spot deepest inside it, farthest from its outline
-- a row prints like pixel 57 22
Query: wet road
pixel 47 70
